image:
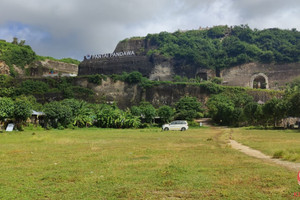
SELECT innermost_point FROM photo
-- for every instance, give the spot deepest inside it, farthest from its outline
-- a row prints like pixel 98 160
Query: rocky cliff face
pixel 116 65
pixel 52 68
pixel 139 46
pixel 42 69
pixel 127 95
pixel 272 75
pixel 154 67
pixel 109 91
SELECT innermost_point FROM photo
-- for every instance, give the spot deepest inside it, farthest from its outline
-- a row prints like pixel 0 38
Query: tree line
pixel 72 112
pixel 239 109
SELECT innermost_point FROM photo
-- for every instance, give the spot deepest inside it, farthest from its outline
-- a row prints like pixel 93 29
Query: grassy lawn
pixel 135 164
pixel 284 144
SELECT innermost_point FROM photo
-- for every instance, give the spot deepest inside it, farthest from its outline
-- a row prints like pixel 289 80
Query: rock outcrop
pixel 270 76
pixel 155 67
pixel 4 69
pixel 52 68
pixel 127 95
pixel 42 69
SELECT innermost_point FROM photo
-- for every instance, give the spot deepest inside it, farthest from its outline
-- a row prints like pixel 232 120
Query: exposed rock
pixel 273 75
pixel 4 69
pixel 157 67
pixel 52 68
pixel 20 72
pixel 139 46
pixel 127 95
pixel 116 65
pixel 111 91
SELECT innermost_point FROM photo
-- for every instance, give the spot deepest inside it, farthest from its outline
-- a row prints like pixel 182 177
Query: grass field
pixel 283 144
pixel 135 164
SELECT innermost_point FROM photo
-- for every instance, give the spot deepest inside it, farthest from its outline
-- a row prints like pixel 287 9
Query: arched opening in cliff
pixel 202 76
pixel 259 81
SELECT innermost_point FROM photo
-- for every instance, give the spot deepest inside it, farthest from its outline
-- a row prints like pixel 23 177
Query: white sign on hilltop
pixel 109 55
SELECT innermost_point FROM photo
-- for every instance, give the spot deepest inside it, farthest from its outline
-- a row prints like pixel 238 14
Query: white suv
pixel 176 125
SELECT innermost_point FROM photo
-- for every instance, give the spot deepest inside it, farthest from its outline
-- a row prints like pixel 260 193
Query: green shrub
pixel 96 79
pixel 134 77
pixel 33 87
pixel 14 54
pixel 278 154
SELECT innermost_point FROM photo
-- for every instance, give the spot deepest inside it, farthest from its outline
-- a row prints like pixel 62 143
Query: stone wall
pixel 276 75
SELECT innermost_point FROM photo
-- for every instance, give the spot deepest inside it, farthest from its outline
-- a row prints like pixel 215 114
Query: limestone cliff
pixel 127 95
pixel 52 68
pixel 42 69
pixel 155 67
pixel 268 76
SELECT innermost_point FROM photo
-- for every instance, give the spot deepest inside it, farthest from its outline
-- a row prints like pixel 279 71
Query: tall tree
pixel 6 108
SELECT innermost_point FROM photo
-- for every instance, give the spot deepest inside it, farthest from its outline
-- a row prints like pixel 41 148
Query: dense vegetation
pixel 222 46
pixel 61 88
pixel 226 106
pixel 239 109
pixel 16 54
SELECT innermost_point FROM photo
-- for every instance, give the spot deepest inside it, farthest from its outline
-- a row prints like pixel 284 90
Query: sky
pixel 75 28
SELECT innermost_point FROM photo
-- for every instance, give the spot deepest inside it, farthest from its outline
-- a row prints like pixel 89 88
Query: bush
pixel 96 79
pixel 278 154
pixel 148 111
pixel 33 87
pixel 58 114
pixel 15 54
pixel 134 77
pixel 165 113
pixel 6 108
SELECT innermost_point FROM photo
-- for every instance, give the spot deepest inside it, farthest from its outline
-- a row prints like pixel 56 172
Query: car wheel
pixel 183 129
pixel 166 129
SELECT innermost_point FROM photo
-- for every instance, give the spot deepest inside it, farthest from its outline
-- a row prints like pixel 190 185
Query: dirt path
pixel 257 154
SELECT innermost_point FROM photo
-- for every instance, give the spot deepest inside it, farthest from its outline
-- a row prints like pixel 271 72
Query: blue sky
pixel 74 28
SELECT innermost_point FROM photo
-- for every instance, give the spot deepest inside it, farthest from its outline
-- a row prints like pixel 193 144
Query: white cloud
pixel 72 28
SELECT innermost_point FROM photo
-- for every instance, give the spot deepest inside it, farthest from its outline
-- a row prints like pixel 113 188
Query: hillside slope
pixel 18 59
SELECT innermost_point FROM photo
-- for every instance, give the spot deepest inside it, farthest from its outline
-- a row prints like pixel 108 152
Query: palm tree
pixel 83 116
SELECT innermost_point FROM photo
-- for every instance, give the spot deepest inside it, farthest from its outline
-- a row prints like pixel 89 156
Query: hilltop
pixel 18 59
pixel 239 55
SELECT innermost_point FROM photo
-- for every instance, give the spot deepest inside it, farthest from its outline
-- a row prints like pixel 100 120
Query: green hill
pixel 222 46
pixel 20 55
